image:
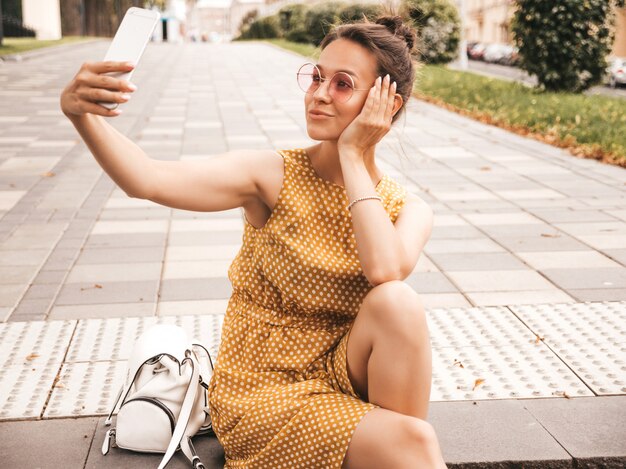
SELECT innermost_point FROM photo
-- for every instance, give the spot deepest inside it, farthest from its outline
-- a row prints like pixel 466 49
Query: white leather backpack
pixel 165 400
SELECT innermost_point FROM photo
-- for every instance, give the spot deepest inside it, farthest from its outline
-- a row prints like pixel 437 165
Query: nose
pixel 325 86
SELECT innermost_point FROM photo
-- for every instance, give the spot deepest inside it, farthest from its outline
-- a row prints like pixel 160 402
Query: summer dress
pixel 280 396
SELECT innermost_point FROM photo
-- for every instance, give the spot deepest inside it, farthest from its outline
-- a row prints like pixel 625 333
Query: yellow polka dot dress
pixel 280 396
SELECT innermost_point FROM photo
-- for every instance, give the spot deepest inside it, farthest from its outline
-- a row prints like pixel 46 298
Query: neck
pixel 325 159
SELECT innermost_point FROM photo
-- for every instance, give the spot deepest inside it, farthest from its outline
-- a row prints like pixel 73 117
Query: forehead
pixel 343 55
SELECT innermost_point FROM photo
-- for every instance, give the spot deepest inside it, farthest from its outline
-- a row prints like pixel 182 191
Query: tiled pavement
pixel 529 242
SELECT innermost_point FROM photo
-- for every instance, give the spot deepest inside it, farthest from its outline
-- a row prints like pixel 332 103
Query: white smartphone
pixel 130 41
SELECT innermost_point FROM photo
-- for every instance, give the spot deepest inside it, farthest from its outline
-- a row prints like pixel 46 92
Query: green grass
pixel 15 45
pixel 596 123
pixel 592 126
pixel 308 50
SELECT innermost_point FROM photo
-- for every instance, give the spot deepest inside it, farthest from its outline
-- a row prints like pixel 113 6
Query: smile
pixel 318 116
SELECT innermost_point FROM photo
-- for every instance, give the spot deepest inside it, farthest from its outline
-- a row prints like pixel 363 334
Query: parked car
pixel 512 56
pixel 497 53
pixel 470 46
pixel 617 71
pixel 476 52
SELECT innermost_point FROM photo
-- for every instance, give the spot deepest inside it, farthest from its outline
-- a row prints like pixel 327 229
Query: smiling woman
pixel 324 360
pixel 334 241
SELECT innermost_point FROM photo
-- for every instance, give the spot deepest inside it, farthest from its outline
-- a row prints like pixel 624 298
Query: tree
pixel 438 27
pixel 564 43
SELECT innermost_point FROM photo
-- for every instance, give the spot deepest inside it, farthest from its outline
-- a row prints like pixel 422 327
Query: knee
pixel 419 431
pixel 395 304
pixel 419 438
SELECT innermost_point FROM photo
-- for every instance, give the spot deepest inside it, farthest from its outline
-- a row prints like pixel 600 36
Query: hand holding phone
pixel 130 41
pixel 99 87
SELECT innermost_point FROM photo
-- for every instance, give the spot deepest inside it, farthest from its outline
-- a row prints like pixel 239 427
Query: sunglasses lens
pixel 308 78
pixel 340 87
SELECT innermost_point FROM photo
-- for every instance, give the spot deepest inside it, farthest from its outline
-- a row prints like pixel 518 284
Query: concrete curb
pixel 21 56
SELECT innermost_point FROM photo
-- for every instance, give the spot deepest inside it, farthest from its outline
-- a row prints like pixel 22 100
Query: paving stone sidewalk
pixel 524 277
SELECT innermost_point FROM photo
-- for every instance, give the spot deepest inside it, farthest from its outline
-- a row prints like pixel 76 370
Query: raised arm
pixel 223 182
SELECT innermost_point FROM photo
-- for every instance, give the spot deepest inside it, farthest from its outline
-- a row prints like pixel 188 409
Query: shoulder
pixel 259 164
pixel 268 168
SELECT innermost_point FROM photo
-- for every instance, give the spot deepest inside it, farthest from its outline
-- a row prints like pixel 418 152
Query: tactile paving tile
pixel 206 328
pixel 87 388
pixel 475 327
pixel 517 371
pixel 492 343
pixel 31 354
pixel 589 337
pixel 24 388
pixel 22 342
pixel 106 339
pixel 97 363
pixel 113 339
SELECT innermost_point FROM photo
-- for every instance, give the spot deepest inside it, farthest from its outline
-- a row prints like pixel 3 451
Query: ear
pixel 397 104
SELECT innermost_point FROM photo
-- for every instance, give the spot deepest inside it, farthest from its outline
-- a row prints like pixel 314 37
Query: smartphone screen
pixel 130 41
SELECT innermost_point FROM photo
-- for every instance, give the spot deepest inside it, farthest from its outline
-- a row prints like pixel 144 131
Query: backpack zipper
pixel 109 440
pixel 159 404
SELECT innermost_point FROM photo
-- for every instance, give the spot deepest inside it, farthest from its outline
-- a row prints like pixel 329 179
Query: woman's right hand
pixel 89 86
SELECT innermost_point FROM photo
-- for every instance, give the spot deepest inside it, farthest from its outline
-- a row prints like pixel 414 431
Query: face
pixel 346 56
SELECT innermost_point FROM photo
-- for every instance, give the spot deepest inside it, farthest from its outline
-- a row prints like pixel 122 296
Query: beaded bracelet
pixel 364 198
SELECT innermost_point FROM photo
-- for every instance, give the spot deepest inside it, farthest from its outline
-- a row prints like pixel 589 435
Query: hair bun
pixel 396 25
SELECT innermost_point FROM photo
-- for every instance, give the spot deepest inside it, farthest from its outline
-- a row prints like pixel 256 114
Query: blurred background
pixel 555 71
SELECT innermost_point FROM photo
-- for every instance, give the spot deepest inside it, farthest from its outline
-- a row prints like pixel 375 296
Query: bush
pixel 291 18
pixel 320 18
pixel 354 12
pixel 438 29
pixel 298 35
pixel 564 43
pixel 262 28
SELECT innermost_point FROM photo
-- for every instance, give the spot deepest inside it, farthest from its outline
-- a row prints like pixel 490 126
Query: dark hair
pixel 391 40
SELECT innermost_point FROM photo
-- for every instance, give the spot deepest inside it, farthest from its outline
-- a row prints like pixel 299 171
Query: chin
pixel 318 133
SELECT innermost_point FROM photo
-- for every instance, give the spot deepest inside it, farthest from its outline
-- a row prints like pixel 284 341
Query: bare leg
pixel 389 353
pixel 390 440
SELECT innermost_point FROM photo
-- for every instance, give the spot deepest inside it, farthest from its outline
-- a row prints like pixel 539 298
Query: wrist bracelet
pixel 364 198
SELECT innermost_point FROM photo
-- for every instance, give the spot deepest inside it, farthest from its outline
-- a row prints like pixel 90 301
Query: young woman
pixel 325 359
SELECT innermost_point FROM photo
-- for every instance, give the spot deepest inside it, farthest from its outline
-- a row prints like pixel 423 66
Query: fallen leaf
pixel 48 174
pixel 477 383
pixel 560 393
pixel 459 363
pixel 59 385
pixel 538 339
pixel 548 235
pixel 32 356
pixel 485 168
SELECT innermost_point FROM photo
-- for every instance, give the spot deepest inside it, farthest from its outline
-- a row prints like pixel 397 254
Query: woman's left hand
pixel 374 120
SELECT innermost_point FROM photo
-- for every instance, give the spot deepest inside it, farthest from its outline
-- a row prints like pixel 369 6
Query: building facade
pixel 488 21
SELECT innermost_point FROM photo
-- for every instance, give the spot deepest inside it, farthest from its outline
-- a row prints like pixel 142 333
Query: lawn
pixel 589 126
pixel 15 45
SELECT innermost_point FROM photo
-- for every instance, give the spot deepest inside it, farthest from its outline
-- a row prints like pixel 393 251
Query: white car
pixel 497 53
pixel 617 71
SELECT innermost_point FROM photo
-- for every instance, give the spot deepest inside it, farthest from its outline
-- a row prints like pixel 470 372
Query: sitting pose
pixel 325 358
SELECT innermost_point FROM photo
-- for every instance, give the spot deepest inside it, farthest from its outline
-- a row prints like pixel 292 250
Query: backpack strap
pixel 187 447
pixel 185 413
pixel 107 422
